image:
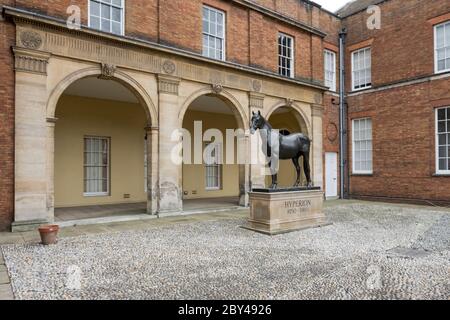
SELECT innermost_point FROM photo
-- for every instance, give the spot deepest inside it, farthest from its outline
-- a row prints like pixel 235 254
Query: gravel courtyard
pixel 370 252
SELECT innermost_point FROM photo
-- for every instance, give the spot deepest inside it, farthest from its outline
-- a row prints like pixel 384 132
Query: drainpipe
pixel 342 113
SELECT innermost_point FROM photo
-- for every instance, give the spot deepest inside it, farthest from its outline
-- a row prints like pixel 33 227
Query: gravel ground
pixel 370 252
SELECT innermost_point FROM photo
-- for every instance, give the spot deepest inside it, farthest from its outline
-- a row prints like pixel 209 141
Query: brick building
pixel 87 114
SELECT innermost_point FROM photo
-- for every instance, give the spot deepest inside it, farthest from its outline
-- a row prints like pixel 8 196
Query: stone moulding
pixel 168 84
pixel 256 100
pixel 31 39
pixel 140 55
pixel 317 110
pixel 108 71
pixel 31 61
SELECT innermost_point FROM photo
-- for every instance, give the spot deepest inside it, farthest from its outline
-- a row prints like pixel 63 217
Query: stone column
pixel 51 123
pixel 152 169
pixel 170 174
pixel 33 152
pixel 317 145
pixel 244 170
pixel 258 179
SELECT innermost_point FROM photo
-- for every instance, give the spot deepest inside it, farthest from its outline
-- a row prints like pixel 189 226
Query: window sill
pixel 362 174
pixel 437 72
pixel 360 90
pixel 93 195
pixel 440 175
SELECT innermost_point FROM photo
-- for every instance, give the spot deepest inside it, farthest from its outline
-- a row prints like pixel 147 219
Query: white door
pixel 331 165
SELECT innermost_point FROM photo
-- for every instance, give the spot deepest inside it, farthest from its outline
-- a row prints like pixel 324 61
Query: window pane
pixel 95 23
pixel 440 37
pixel 95 8
pixel 116 15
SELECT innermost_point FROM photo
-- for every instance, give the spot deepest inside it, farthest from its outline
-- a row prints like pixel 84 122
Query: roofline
pixel 359 11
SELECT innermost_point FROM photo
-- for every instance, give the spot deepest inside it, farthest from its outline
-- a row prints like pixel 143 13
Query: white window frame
pixel 224 39
pixel 292 49
pixel 333 86
pixel 219 149
pixel 438 170
pixel 436 70
pixel 122 25
pixel 360 172
pixel 353 69
pixel 108 172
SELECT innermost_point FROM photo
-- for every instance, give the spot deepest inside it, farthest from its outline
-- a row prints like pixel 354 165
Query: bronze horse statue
pixel 291 146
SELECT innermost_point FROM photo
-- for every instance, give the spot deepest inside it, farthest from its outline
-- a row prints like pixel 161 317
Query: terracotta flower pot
pixel 48 234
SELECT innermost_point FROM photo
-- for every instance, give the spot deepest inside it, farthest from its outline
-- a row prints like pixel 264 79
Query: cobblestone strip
pixel 5 283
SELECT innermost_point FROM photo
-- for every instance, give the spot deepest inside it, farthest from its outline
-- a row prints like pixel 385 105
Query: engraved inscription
pixel 298 206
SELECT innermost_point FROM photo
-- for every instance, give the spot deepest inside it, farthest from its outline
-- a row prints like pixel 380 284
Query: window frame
pixel 97 194
pixel 438 170
pixel 436 70
pixel 334 87
pixel 122 33
pixel 224 45
pixel 292 71
pixel 354 171
pixel 353 69
pixel 219 165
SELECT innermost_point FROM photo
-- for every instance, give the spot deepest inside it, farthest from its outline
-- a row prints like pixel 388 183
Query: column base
pixel 30 225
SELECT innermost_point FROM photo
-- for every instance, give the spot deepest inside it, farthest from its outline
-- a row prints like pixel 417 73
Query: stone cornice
pixel 278 16
pixel 45 22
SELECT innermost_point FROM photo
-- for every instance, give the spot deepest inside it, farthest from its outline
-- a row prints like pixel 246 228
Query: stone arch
pixel 119 76
pixel 227 97
pixel 242 121
pixel 301 116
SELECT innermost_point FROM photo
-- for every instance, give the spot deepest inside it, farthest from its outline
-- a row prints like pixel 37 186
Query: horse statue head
pixel 257 122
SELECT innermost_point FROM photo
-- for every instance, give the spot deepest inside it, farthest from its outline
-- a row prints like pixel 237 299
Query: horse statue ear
pixel 259 113
pixel 253 112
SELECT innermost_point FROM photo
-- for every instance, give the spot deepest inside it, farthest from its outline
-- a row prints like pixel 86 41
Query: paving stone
pixel 216 259
pixel 10 238
pixel 4 278
pixel 6 292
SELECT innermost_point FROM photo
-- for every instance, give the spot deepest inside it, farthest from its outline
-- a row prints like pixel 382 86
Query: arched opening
pixel 288 121
pixel 101 147
pixel 214 178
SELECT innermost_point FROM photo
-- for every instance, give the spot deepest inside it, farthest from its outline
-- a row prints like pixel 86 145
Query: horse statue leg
pixel 274 179
pixel 297 168
pixel 307 169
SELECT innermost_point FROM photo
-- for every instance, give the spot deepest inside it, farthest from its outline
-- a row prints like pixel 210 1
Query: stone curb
pixel 6 292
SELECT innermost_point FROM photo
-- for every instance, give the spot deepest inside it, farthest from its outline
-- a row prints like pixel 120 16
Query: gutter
pixel 342 117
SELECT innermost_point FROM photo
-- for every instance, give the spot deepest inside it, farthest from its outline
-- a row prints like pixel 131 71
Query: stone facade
pixel 159 59
pixel 49 58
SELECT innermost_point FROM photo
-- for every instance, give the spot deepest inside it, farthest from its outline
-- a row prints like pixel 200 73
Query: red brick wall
pixel 7 36
pixel 407 34
pixel 404 127
pixel 403 117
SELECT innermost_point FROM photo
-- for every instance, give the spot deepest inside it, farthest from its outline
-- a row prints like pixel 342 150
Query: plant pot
pixel 49 234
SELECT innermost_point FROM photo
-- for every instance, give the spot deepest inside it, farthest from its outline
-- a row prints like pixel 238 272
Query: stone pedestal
pixel 281 211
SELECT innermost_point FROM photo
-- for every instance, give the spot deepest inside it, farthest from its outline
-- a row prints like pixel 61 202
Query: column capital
pixel 30 60
pixel 168 84
pixel 256 100
pixel 317 110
